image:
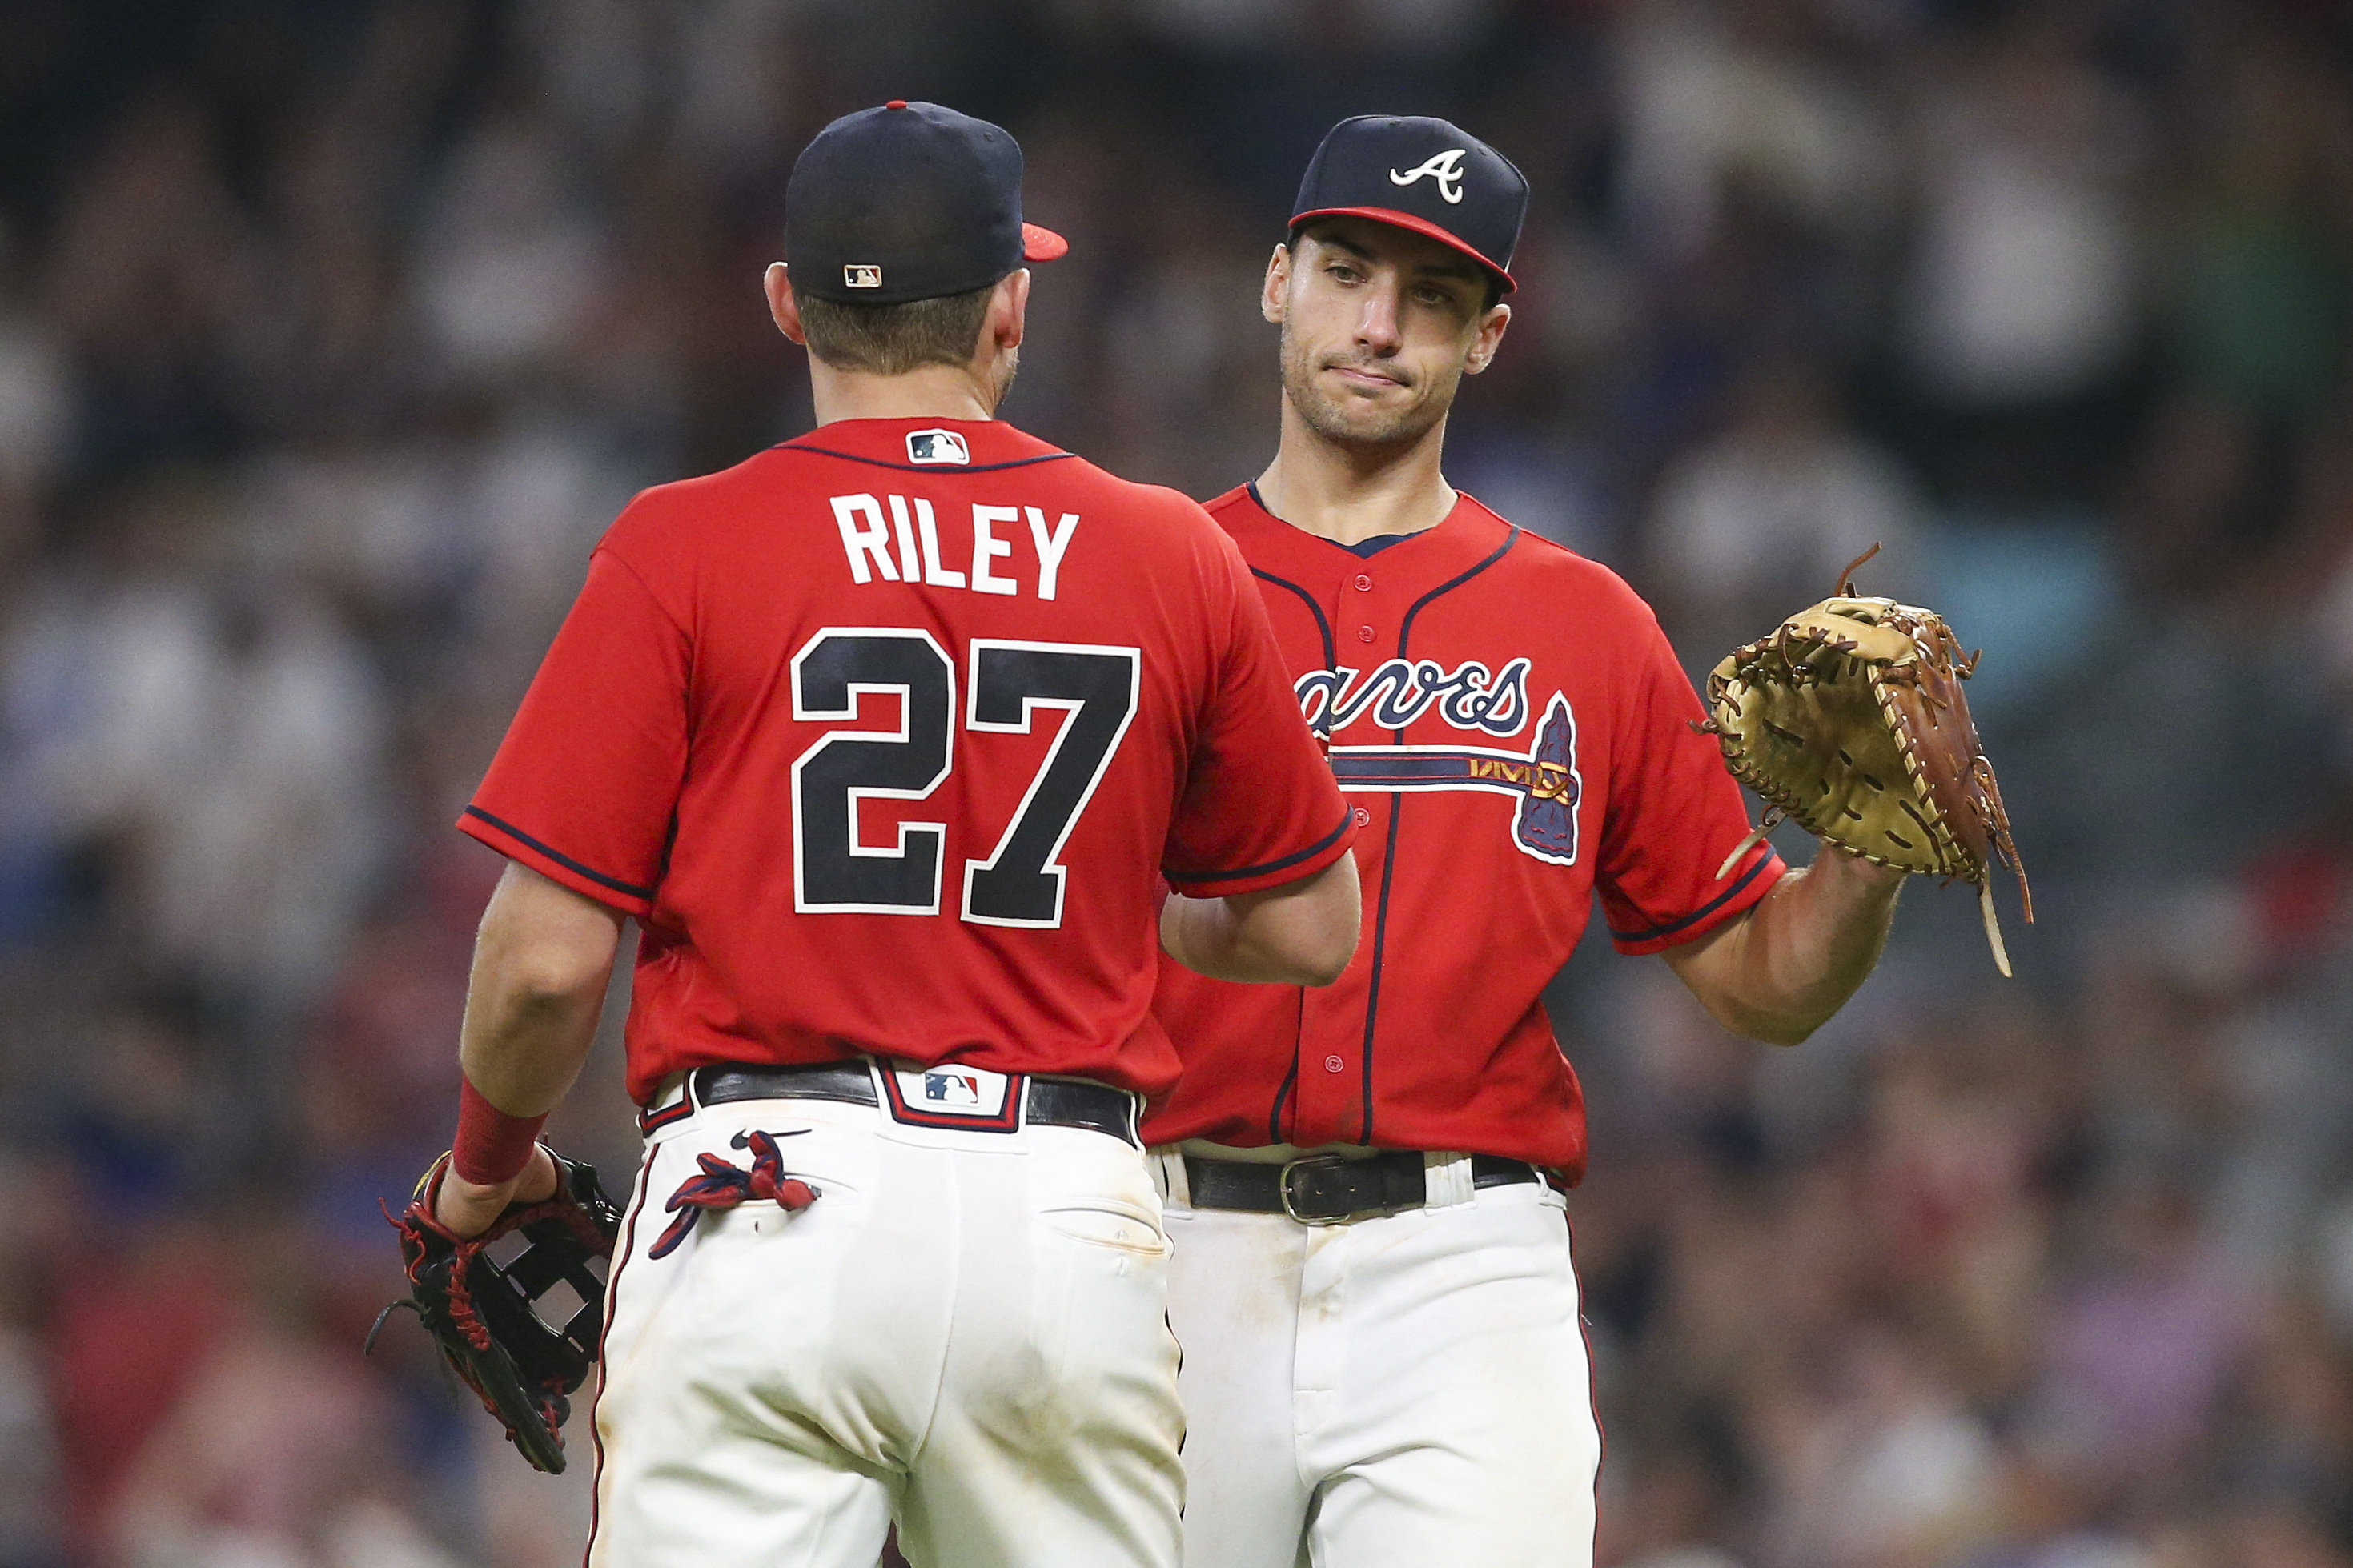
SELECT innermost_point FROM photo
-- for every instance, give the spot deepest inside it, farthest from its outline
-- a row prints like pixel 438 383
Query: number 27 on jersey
pixel 1021 882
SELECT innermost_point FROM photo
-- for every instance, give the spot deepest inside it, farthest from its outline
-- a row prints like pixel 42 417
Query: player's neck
pixel 928 392
pixel 1349 494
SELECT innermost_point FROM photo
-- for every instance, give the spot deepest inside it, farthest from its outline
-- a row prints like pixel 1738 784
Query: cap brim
pixel 1042 244
pixel 1396 219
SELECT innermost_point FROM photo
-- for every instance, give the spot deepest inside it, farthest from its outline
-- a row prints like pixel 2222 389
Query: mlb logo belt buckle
pixel 953 1095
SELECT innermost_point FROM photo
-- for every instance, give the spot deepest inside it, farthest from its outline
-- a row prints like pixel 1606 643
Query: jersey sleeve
pixel 1261 808
pixel 1674 813
pixel 583 787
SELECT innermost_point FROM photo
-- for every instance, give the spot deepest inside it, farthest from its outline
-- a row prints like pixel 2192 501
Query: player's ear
pixel 1009 309
pixel 783 308
pixel 1487 338
pixel 1276 289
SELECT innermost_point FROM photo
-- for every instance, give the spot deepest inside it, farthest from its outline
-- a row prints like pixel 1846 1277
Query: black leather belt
pixel 1325 1189
pixel 1051 1101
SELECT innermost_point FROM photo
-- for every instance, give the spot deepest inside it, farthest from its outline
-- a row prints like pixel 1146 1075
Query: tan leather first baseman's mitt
pixel 485 1315
pixel 1849 718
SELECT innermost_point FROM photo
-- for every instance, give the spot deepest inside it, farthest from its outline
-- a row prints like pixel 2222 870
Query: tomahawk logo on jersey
pixel 949 715
pixel 1544 779
pixel 1513 732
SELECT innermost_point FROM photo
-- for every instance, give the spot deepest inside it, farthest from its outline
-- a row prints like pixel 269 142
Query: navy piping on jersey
pixel 922 468
pixel 1323 626
pixel 1380 946
pixel 1704 910
pixel 1449 586
pixel 1309 853
pixel 1397 810
pixel 566 861
pixel 1291 1079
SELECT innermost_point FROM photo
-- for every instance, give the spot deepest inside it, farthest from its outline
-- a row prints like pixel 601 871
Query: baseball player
pixel 885 739
pixel 1372 1280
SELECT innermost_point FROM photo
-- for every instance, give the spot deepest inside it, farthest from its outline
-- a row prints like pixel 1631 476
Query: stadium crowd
pixel 332 334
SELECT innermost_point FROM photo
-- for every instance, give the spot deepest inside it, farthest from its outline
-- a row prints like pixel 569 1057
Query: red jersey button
pixel 1333 1064
pixel 1364 817
pixel 1364 634
pixel 1363 583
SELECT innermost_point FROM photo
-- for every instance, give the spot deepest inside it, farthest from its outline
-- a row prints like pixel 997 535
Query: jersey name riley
pixel 906 547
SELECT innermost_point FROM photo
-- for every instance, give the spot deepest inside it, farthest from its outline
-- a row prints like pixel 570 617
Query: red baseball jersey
pixel 1513 732
pixel 886 736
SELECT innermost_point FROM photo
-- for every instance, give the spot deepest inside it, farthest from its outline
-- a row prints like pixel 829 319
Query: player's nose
pixel 1377 324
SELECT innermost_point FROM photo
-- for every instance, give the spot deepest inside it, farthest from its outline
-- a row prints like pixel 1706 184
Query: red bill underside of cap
pixel 1041 244
pixel 1419 225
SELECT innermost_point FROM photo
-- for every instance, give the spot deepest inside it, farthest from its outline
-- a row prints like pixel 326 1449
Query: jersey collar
pixel 926 446
pixel 1451 528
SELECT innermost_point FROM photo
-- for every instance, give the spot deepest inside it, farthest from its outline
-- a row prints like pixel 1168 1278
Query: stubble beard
pixel 1009 367
pixel 1336 421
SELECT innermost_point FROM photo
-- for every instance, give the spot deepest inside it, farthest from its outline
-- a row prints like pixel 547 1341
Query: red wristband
pixel 492 1146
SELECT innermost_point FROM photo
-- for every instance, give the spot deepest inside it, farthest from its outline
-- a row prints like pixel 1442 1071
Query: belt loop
pixel 661 1109
pixel 1448 1178
pixel 1168 1173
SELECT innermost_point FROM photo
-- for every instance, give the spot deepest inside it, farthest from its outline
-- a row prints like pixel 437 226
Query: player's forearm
pixel 1782 971
pixel 1302 933
pixel 542 962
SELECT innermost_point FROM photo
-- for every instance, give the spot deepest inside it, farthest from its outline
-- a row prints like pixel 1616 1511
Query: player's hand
pixel 468 1208
pixel 1851 868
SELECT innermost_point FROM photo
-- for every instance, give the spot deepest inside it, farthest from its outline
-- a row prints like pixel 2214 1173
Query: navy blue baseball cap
pixel 1421 173
pixel 910 201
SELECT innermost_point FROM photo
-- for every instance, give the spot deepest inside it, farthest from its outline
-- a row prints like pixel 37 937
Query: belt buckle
pixel 1290 1210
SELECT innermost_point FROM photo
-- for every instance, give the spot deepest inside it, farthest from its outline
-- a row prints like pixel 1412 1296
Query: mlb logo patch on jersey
pixel 953 1095
pixel 855 277
pixel 936 447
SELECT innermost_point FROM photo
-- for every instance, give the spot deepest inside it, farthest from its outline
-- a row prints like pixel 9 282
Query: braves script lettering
pixel 1401 690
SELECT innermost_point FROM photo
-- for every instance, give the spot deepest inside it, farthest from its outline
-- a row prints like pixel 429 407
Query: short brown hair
pixel 892 340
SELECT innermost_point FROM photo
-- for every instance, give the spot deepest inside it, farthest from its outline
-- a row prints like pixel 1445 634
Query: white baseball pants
pixel 965 1332
pixel 1403 1391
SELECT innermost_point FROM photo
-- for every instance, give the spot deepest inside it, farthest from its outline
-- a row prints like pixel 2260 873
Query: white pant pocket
pixel 1107 1223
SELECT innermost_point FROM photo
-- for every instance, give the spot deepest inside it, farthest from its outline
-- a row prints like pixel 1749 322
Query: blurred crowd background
pixel 333 331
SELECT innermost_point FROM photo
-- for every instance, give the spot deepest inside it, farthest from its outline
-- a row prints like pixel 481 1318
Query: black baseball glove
pixel 484 1314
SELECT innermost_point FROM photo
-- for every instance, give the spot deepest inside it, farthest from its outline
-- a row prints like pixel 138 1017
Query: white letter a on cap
pixel 1446 169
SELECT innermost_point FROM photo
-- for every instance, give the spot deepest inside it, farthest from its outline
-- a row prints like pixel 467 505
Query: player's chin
pixel 1364 397
pixel 1376 420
